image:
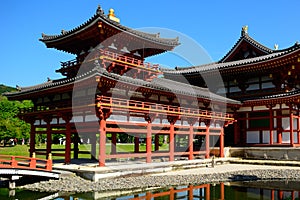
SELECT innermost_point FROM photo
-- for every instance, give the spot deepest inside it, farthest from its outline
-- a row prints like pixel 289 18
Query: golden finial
pixel 111 15
pixel 276 46
pixel 111 12
pixel 245 29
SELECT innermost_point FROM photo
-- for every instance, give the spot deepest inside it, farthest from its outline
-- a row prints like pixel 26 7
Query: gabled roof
pixel 92 26
pixel 219 66
pixel 159 84
pixel 230 61
pixel 246 47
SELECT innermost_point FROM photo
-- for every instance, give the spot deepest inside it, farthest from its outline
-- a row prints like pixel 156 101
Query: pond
pixel 268 190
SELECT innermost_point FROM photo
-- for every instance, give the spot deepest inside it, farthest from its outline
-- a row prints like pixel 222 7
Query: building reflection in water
pixel 275 190
pixel 186 192
pixel 262 190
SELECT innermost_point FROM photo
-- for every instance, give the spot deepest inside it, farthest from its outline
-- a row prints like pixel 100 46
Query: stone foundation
pixel 268 153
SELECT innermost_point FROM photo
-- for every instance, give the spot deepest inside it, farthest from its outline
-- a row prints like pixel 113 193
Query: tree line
pixel 11 127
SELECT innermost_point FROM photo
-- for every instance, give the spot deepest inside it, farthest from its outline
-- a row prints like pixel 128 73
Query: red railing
pixel 140 106
pixel 21 162
pixel 129 60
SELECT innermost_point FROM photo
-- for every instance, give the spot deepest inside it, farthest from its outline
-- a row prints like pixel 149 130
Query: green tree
pixel 10 125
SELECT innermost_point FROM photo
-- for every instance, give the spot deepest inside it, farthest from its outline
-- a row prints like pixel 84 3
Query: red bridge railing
pixel 21 162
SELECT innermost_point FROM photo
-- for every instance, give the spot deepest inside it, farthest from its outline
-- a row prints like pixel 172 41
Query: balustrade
pixel 139 106
pixel 7 161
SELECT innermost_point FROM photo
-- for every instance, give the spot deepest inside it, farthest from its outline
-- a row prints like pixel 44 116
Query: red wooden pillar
pixel 102 142
pixel 191 138
pixel 113 143
pixel 191 192
pixel 291 126
pixel 49 136
pixel 172 120
pixel 149 142
pixel 280 194
pixel 149 118
pixel 67 118
pixel 271 124
pixel 222 191
pixel 102 114
pixel 207 192
pixel 171 142
pixel 279 127
pixel 292 194
pixel 207 151
pixel 272 194
pixel 172 194
pixel 222 142
pixel 148 196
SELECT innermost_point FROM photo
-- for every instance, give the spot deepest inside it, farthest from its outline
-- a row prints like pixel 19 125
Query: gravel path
pixel 220 173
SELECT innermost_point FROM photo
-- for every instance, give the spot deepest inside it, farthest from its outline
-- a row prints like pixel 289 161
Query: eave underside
pixel 157 86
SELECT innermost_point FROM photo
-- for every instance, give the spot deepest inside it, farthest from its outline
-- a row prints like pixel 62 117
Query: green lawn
pixel 23 150
pixel 18 150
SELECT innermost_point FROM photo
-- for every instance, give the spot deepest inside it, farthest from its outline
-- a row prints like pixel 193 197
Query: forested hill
pixel 4 88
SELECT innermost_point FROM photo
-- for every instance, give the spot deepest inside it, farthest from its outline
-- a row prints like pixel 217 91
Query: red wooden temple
pixel 109 90
pixel 265 81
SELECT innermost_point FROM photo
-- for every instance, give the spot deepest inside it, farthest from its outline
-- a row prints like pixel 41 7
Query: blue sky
pixel 215 25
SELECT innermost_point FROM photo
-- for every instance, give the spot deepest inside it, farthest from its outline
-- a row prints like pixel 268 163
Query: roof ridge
pixel 245 36
pixel 258 44
pixel 218 65
pixel 100 15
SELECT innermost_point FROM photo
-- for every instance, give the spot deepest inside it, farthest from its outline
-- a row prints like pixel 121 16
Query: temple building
pixel 109 91
pixel 265 81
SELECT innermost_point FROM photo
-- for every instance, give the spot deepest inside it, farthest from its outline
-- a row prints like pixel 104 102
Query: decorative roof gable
pixel 246 47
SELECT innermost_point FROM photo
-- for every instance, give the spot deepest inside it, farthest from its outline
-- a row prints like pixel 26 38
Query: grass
pixel 18 150
pixel 23 150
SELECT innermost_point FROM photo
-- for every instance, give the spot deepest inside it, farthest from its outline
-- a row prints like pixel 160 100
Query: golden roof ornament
pixel 276 46
pixel 245 30
pixel 111 16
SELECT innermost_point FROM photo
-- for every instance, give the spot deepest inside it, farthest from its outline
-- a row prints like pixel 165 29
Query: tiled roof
pixel 159 84
pixel 275 97
pixel 250 40
pixel 233 64
pixel 100 16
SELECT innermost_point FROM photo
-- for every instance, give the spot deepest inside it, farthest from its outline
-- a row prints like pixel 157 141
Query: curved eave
pixel 159 85
pixel 35 91
pixel 245 37
pixel 287 97
pixel 52 40
pixel 238 65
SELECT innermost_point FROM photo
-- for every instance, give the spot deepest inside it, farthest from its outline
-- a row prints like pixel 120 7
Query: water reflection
pixel 25 195
pixel 262 190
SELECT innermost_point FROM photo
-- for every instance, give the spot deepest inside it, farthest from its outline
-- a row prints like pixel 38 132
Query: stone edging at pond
pixel 79 185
